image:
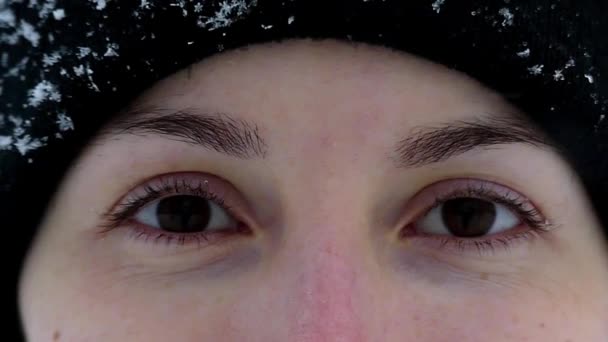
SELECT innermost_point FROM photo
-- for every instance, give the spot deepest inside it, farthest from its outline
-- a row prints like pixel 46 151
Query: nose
pixel 325 281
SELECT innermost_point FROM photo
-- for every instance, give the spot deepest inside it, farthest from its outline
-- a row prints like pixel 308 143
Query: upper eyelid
pixel 427 196
pixel 224 189
pixel 216 186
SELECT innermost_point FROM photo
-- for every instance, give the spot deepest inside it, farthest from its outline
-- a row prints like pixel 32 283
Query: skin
pixel 324 260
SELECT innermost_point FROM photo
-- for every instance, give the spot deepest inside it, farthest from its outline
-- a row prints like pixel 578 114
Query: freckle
pixel 56 335
pixel 542 325
pixel 416 318
pixel 484 276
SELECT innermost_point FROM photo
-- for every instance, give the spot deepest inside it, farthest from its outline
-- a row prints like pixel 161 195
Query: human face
pixel 305 176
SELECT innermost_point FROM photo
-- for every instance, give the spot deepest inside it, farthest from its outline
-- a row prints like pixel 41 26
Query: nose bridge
pixel 322 255
pixel 326 290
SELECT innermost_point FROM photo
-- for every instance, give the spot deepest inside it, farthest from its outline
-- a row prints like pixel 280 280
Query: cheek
pixel 97 308
pixel 480 316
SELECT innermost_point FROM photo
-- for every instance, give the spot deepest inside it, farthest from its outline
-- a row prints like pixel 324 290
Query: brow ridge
pixel 216 131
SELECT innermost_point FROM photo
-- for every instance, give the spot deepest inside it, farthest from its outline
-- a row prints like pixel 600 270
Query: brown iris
pixel 183 214
pixel 468 217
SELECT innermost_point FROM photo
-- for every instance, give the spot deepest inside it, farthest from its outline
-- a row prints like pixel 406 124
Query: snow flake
pixel 5 142
pixel 536 69
pixel 7 18
pixel 51 59
pixel 64 122
pixel 524 54
pixel 507 15
pixel 28 32
pixel 111 50
pixel 100 4
pixel 229 11
pixel 437 5
pixel 26 143
pixel 558 75
pixel 83 51
pixel 59 14
pixel 43 91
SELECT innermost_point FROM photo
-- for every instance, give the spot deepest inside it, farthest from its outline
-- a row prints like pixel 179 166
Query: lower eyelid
pixel 521 242
pixel 119 212
pixel 427 197
pixel 138 232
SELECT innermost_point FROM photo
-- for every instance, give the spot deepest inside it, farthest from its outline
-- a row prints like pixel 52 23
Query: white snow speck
pixel 52 59
pixel 19 140
pixel 59 14
pixel 290 20
pixel 45 8
pixel 595 98
pixel 266 27
pixel 79 70
pixel 5 142
pixel 28 32
pixel 64 122
pixel 18 123
pixel 229 12
pixel 570 63
pixel 92 84
pixel 198 8
pixel 524 54
pixel 43 91
pixel 100 4
pixel 144 4
pixel 437 5
pixel 589 78
pixel 83 51
pixel 507 15
pixel 111 50
pixel 7 18
pixel 536 69
pixel 26 143
pixel 558 75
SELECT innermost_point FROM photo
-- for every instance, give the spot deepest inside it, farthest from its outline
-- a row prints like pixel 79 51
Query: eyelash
pixel 521 206
pixel 125 212
pixel 529 215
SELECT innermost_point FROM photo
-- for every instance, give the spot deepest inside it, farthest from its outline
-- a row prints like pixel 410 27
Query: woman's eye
pixel 467 217
pixel 185 214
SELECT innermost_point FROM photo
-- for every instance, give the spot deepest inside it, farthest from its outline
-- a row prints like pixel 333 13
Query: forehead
pixel 331 81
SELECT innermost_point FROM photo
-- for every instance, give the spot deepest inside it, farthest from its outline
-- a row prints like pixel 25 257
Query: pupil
pixel 468 217
pixel 183 214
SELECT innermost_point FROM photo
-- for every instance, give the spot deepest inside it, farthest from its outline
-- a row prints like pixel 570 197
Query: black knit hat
pixel 67 66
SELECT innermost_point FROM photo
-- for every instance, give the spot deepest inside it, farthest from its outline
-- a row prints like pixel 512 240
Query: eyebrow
pixel 427 145
pixel 423 145
pixel 216 131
